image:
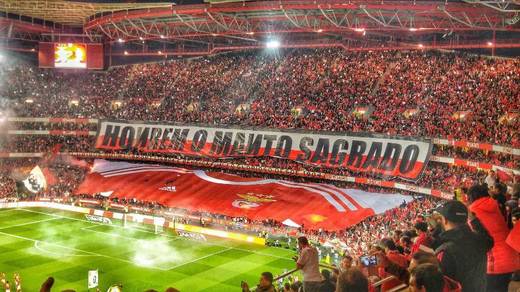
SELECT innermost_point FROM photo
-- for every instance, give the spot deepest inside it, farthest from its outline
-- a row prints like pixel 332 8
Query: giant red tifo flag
pixel 311 205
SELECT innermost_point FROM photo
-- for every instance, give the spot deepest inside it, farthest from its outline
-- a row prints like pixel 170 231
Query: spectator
pixel 426 278
pixel 406 244
pixel 327 285
pixel 502 259
pixel 352 280
pixel 346 262
pixel 491 179
pixel 308 262
pixel 498 192
pixel 265 284
pixel 47 285
pixel 423 239
pixel 393 255
pixel 462 252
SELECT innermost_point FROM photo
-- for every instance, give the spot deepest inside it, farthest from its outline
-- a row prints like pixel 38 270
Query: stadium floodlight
pixel 319 30
pixel 126 53
pixel 272 44
pixel 162 36
pixel 120 40
pixel 490 44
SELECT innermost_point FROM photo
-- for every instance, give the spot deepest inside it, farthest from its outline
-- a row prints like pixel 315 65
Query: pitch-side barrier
pixel 138 218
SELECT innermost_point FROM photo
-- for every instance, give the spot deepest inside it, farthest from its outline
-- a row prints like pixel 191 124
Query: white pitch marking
pixel 29 223
pixel 75 249
pixel 201 258
pixel 37 246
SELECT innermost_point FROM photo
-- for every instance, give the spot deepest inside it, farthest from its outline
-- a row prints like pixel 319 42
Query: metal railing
pixel 374 285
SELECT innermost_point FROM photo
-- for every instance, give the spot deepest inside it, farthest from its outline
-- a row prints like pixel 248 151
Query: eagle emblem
pixel 252 200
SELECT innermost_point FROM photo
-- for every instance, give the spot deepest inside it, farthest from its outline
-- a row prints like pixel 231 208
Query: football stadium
pixel 270 146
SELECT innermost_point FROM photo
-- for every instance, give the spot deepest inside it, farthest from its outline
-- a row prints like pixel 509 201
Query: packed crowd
pixel 470 245
pixel 410 93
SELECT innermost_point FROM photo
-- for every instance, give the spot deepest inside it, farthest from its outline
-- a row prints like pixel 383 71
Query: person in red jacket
pixel 502 259
pixel 395 257
pixel 423 237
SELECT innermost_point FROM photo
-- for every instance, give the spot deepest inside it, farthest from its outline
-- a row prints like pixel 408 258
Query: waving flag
pixel 36 181
pixel 311 205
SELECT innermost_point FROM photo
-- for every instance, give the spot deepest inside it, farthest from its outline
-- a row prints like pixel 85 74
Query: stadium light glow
pixel 126 53
pixel 159 52
pixel 141 38
pixel 413 29
pixel 120 40
pixel 490 44
pixel 161 36
pixel 420 46
pixel 319 30
pixel 250 33
pixel 272 44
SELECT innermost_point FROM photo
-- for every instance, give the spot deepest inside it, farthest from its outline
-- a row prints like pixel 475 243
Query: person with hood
pixel 462 249
pixel 502 259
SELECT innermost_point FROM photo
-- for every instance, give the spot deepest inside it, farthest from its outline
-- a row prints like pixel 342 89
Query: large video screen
pixel 70 55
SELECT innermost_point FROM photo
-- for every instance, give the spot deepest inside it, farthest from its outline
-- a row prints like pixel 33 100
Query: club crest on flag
pixel 252 200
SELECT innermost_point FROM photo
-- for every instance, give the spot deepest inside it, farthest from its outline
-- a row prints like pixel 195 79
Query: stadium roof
pixel 242 24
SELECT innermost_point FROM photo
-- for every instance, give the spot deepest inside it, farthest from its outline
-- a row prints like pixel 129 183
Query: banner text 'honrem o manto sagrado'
pixel 393 156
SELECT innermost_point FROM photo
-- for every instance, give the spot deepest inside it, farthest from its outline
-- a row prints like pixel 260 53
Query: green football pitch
pixel 38 243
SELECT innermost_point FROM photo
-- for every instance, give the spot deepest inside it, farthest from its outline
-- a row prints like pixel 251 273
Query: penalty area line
pixel 38 247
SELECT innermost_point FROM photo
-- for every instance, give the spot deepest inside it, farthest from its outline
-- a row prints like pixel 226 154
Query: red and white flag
pixel 311 205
